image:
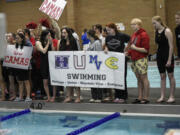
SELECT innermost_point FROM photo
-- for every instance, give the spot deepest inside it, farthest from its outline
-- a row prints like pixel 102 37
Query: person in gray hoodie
pixel 95 45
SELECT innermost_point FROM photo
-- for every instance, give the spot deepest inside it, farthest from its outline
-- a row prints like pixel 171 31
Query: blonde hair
pixel 136 21
pixel 159 19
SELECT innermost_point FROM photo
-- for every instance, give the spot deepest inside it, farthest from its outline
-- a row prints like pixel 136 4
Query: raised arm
pixel 56 28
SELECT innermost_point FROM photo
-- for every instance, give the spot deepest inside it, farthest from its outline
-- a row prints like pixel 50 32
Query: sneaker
pixel 81 97
pixel 91 100
pixel 116 100
pixel 107 99
pixel 61 93
pixel 17 99
pixel 28 99
pixel 45 97
pixel 75 94
pixel 97 101
pixel 121 101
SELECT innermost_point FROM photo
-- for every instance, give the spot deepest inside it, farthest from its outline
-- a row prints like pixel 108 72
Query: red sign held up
pixel 53 8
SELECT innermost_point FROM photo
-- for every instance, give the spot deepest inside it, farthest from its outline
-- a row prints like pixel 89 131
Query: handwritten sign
pixel 53 8
pixel 17 58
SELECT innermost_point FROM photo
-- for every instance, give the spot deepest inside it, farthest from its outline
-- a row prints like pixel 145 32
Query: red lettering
pixel 52 6
pixel 20 54
pixel 52 12
pixel 42 8
pixel 16 60
pixel 11 60
pixel 56 13
pixel 15 53
pixel 26 61
pixel 60 12
pixel 47 8
pixel 6 59
pixel 22 61
pixel 51 9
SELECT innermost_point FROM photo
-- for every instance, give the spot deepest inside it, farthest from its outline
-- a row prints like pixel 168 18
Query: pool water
pixel 153 76
pixel 62 124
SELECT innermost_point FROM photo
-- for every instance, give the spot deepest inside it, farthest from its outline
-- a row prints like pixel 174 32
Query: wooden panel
pixel 20 13
pixel 172 6
pixel 89 12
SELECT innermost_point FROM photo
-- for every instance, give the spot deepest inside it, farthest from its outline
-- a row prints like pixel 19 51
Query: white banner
pixel 87 69
pixel 53 8
pixel 17 58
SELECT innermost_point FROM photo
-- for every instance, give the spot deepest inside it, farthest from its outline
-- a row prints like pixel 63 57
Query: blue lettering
pixel 93 59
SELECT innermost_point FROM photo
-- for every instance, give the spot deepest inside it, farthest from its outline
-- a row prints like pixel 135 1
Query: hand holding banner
pixel 87 69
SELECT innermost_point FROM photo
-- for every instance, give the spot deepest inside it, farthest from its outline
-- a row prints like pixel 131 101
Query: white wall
pixel 2 34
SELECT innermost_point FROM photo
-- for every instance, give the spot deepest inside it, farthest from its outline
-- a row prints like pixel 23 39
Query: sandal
pixel 107 99
pixel 67 100
pixel 52 99
pixel 3 99
pixel 170 101
pixel 160 100
pixel 136 101
pixel 12 98
pixel 144 101
pixel 77 100
pixel 17 99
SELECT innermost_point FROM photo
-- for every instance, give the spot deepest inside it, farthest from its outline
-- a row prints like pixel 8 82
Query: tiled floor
pixel 152 108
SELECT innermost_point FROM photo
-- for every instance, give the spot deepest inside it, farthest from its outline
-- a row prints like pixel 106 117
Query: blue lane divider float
pixel 95 124
pixel 10 116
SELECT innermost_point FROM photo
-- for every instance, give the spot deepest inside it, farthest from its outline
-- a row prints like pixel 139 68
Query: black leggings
pixel 119 93
pixel 96 93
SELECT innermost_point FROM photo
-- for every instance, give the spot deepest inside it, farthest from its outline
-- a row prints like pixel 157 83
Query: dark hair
pixel 72 30
pixel 27 31
pixel 52 32
pixel 23 41
pixel 85 30
pixel 104 29
pixel 13 35
pixel 43 37
pixel 70 37
pixel 92 33
pixel 112 26
pixel 99 27
pixel 68 30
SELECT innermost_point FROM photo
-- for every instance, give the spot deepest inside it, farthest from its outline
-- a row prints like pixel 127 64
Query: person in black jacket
pixel 177 33
pixel 115 42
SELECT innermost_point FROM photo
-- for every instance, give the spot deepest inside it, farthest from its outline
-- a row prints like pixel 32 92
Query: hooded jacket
pixel 139 39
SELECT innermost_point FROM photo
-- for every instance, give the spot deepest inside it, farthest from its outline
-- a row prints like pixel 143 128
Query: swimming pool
pixel 153 76
pixel 61 124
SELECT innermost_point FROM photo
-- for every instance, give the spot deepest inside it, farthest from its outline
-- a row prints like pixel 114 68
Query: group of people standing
pixel 135 47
